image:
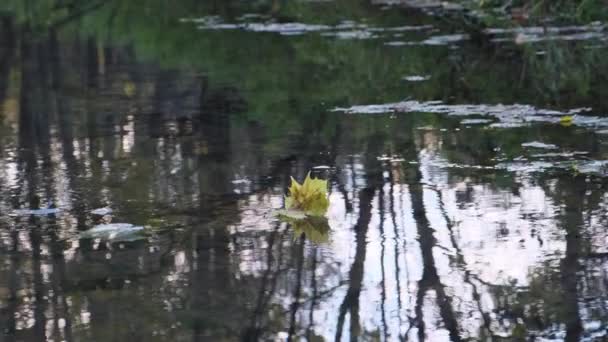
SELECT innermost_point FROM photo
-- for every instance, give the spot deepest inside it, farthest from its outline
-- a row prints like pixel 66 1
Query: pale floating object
pixel 241 181
pixel 539 145
pixel 114 232
pixel 102 211
pixel 475 121
pixel 446 39
pixel 559 154
pixel 416 78
pixel 321 167
pixel 397 43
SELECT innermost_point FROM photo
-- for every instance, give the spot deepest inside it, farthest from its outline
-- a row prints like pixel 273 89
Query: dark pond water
pixel 467 172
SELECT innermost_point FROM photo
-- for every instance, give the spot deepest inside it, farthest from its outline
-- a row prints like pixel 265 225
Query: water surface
pixel 467 174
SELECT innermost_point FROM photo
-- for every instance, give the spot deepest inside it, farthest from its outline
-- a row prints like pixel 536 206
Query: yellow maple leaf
pixel 129 88
pixel 566 120
pixel 309 197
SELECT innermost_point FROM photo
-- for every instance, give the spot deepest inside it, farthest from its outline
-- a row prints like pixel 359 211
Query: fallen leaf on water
pixel 566 120
pixel 309 197
pixel 129 89
pixel 305 208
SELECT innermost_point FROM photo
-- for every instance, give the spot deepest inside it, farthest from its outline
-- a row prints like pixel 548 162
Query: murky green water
pixel 467 175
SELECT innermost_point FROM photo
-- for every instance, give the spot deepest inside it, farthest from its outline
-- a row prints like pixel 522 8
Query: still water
pixel 467 172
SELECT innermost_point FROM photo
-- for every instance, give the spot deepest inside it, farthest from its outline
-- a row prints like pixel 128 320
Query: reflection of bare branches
pixel 460 260
pixel 322 294
pixel 382 271
pixel 315 294
pixel 573 222
pixel 298 290
pixel 59 283
pixel 336 176
pixel 396 238
pixel 253 331
pixel 342 189
pixel 430 278
pixel 38 282
pixel 13 284
pixel 351 300
pixel 569 268
pixel 572 193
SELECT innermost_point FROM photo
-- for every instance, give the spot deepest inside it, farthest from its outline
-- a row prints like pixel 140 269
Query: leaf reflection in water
pixel 314 228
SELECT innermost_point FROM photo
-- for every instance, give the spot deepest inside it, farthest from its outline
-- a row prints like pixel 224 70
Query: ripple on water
pixel 475 121
pixel 515 115
pixel 344 30
pixel 352 34
pixel 534 34
pixel 36 212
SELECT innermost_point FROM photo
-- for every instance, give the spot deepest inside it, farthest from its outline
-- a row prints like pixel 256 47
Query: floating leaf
pixel 575 169
pixel 566 120
pixel 102 211
pixel 305 207
pixel 129 88
pixel 309 197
